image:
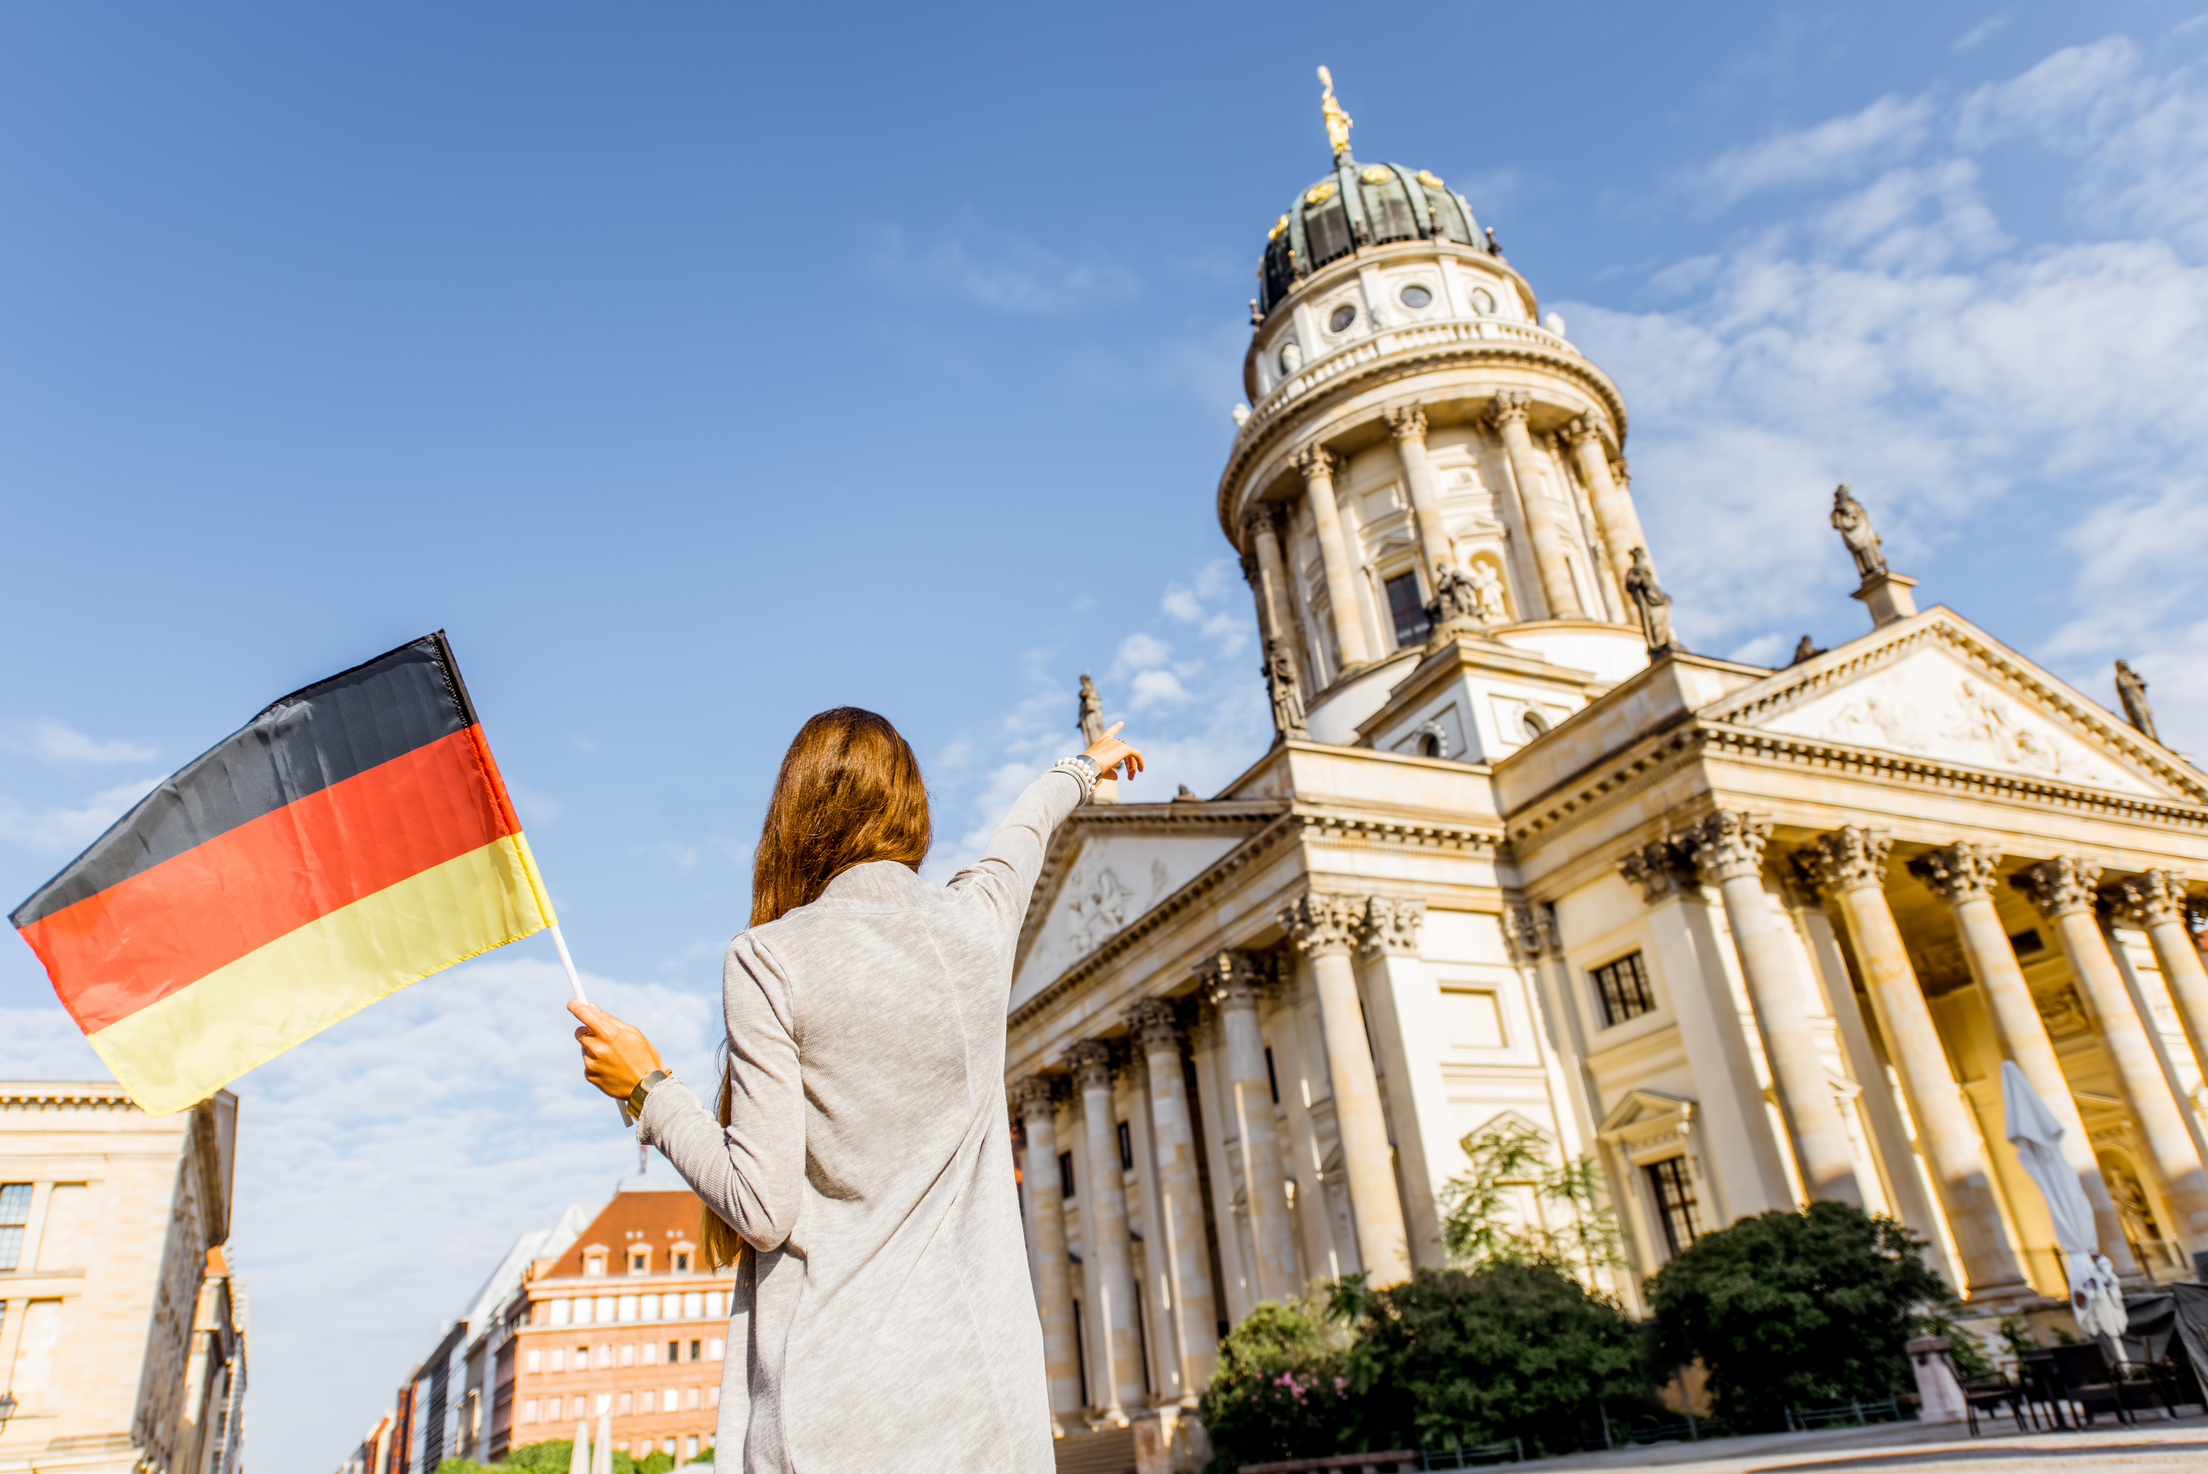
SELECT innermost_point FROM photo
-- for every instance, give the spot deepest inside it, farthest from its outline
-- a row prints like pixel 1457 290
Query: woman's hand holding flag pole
pixel 353 838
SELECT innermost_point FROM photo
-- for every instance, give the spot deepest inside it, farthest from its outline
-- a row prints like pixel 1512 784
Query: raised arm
pixel 1004 878
pixel 752 1171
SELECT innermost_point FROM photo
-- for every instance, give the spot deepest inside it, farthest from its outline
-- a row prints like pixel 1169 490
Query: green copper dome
pixel 1358 205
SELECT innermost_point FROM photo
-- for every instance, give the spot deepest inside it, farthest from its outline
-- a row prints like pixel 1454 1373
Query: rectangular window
pixel 714 1349
pixel 640 1261
pixel 559 1359
pixel 693 1396
pixel 674 1352
pixel 712 1399
pixel 529 1410
pixel 605 1403
pixel 628 1353
pixel 605 1354
pixel 594 1264
pixel 715 1308
pixel 690 1444
pixel 693 1305
pixel 1674 1192
pixel 649 1308
pixel 536 1360
pixel 1065 1174
pixel 559 1312
pixel 1126 1148
pixel 682 1261
pixel 628 1307
pixel 552 1409
pixel 15 1213
pixel 621 1406
pixel 695 1353
pixel 1623 988
pixel 1408 611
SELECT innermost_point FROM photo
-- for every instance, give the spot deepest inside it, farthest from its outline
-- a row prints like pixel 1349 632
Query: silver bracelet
pixel 1085 770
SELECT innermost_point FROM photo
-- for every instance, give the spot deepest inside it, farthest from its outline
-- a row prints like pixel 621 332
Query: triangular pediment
pixel 1936 688
pixel 1099 878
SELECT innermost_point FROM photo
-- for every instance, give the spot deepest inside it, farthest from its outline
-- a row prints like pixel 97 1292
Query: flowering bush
pixel 1280 1391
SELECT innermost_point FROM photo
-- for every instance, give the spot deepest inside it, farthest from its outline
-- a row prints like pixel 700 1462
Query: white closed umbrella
pixel 578 1462
pixel 602 1456
pixel 2095 1296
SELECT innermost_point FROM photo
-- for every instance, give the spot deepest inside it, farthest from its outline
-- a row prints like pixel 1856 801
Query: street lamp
pixel 7 1409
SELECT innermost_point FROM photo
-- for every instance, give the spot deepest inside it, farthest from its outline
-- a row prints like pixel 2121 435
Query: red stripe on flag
pixel 163 929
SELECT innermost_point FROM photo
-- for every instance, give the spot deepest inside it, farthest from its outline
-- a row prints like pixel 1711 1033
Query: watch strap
pixel 643 1088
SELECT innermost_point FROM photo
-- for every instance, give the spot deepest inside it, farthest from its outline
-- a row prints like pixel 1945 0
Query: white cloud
pixel 1003 273
pixel 1140 652
pixel 1899 339
pixel 1156 688
pixel 1889 128
pixel 54 742
pixel 1978 33
pixel 68 829
pixel 45 1044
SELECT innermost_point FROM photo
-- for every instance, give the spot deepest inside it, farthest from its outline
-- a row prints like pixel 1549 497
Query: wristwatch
pixel 644 1088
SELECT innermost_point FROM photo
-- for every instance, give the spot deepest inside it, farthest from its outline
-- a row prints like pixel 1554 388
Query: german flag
pixel 353 838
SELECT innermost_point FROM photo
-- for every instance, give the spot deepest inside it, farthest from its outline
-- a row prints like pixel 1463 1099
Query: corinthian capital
pixel 1530 931
pixel 2149 897
pixel 1091 1060
pixel 1847 859
pixel 1230 979
pixel 1509 407
pixel 1322 924
pixel 1659 870
pixel 1407 423
pixel 1391 925
pixel 1959 872
pixel 1261 519
pixel 1035 1095
pixel 1316 462
pixel 1157 1024
pixel 2058 886
pixel 1726 845
pixel 1584 428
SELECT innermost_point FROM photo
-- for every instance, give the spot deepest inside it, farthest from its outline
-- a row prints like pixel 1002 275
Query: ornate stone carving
pixel 1659 870
pixel 1321 924
pixel 1091 1062
pixel 1316 462
pixel 1582 429
pixel 1847 859
pixel 1157 1024
pixel 1391 925
pixel 1509 407
pixel 1854 525
pixel 1407 423
pixel 2059 886
pixel 1229 979
pixel 1092 712
pixel 1035 1095
pixel 2148 897
pixel 2131 690
pixel 1530 931
pixel 1727 844
pixel 1807 649
pixel 1280 682
pixel 1958 872
pixel 1652 602
pixel 1251 568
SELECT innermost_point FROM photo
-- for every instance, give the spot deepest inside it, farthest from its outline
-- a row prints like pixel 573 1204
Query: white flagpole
pixel 574 980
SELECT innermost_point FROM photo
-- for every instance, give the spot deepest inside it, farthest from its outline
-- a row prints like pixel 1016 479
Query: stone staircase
pixel 1108 1451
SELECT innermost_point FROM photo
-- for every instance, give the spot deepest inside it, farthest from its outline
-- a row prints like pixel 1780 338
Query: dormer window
pixel 682 1261
pixel 640 1261
pixel 594 1264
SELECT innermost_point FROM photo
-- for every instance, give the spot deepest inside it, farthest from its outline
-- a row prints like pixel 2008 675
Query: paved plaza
pixel 1908 1448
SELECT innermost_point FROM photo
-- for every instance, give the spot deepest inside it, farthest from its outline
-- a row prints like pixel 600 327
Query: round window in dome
pixel 1415 296
pixel 1341 318
pixel 1482 302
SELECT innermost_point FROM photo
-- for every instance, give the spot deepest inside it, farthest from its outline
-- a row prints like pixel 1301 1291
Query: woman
pixel 884 1318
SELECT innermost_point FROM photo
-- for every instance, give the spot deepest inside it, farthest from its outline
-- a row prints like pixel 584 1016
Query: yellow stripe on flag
pixel 182 1049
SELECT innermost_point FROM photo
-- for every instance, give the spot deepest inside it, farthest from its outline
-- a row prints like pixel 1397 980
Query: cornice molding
pixel 77 1094
pixel 1294 419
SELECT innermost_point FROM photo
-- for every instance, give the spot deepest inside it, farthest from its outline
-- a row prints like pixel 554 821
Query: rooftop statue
pixel 1457 598
pixel 1855 530
pixel 1337 122
pixel 1652 601
pixel 2131 689
pixel 1092 713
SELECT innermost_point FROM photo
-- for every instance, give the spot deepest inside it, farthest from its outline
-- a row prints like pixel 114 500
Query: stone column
pixel 1962 875
pixel 1119 1370
pixel 1180 1207
pixel 1261 528
pixel 2154 901
pixel 1408 425
pixel 1317 465
pixel 1729 849
pixel 1614 512
pixel 1851 864
pixel 1509 416
pixel 2063 890
pixel 1408 1034
pixel 1323 928
pixel 1746 1171
pixel 1036 1098
pixel 1234 984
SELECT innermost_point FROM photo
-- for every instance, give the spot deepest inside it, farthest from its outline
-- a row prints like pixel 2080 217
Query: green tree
pixel 1280 1390
pixel 1478 1226
pixel 1805 1309
pixel 1515 1347
pixel 554 1454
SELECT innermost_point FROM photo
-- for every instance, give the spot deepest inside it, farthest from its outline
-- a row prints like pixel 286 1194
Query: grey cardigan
pixel 884 1318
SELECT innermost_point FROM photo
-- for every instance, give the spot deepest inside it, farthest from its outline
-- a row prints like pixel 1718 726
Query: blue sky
pixel 698 369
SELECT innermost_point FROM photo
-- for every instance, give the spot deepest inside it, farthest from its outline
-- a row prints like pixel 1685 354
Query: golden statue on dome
pixel 1337 122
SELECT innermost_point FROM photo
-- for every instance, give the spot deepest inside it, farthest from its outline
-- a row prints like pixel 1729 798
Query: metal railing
pixel 1391 341
pixel 1849 1414
pixel 1474 1455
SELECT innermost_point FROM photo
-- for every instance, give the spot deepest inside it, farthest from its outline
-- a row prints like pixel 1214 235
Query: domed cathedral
pixel 1739 937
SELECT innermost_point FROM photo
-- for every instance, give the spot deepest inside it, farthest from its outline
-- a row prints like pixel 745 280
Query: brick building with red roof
pixel 626 1321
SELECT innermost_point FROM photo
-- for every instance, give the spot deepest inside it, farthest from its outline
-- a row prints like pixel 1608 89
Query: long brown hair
pixel 849 793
